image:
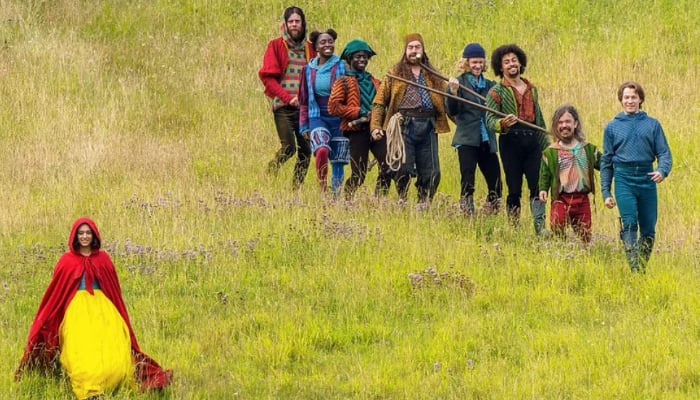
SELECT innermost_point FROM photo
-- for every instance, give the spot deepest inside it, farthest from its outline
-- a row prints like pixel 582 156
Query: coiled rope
pixel 395 150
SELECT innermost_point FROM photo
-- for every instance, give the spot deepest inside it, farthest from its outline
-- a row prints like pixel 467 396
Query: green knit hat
pixel 354 46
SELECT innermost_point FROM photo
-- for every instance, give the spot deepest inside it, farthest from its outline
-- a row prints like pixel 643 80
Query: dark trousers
pixel 521 154
pixel 361 144
pixel 422 161
pixel 291 141
pixel 472 156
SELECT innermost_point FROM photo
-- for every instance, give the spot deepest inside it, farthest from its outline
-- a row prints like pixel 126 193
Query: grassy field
pixel 148 117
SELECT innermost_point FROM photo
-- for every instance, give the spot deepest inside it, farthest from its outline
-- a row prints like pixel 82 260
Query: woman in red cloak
pixel 83 326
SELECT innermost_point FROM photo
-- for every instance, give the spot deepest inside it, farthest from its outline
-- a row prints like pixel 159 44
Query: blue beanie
pixel 474 50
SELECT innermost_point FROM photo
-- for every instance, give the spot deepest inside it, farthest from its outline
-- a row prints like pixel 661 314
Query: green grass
pixel 149 117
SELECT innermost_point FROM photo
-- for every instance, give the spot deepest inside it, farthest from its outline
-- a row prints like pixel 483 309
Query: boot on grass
pixel 629 240
pixel 466 205
pixel 539 216
pixel 646 246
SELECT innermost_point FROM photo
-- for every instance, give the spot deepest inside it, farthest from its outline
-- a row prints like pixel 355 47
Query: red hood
pixel 74 232
pixel 43 345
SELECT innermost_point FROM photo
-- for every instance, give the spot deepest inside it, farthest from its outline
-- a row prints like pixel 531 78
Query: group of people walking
pixel 332 108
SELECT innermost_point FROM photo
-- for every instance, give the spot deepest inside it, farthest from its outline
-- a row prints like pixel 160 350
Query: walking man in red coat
pixel 281 72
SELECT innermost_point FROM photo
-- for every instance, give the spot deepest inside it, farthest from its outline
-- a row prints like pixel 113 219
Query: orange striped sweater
pixel 345 102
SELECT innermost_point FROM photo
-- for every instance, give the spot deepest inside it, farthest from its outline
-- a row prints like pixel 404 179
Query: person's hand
pixel 509 121
pixel 377 134
pixel 305 135
pixel 543 196
pixel 656 176
pixel 610 202
pixel 453 85
pixel 294 102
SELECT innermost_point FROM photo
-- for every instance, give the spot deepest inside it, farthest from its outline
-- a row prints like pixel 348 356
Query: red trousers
pixel 574 209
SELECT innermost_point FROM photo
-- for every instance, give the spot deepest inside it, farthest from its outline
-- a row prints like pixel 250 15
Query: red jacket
pixel 275 64
pixel 43 344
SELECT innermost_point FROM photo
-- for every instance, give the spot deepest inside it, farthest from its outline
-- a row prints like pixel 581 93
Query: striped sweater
pixel 345 102
pixel 501 98
pixel 633 139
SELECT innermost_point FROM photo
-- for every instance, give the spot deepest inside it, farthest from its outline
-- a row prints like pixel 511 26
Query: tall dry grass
pixel 149 117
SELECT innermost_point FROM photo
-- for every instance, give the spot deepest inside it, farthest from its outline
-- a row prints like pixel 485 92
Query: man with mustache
pixel 414 115
pixel 285 57
pixel 520 146
pixel 567 170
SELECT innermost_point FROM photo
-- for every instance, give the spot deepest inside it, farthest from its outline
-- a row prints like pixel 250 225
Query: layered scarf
pixel 322 75
pixel 319 80
pixel 291 43
pixel 367 90
pixel 479 85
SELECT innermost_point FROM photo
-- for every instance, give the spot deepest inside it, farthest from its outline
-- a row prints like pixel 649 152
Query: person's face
pixel 566 126
pixel 476 65
pixel 84 236
pixel 510 64
pixel 630 100
pixel 325 45
pixel 414 52
pixel 358 61
pixel 295 27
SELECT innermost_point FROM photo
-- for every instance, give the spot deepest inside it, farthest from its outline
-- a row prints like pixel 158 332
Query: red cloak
pixel 43 344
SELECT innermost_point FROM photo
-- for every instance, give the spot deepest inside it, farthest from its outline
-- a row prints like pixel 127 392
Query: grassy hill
pixel 148 117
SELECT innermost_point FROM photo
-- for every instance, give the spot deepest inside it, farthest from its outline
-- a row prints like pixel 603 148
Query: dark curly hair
pixel 313 37
pixel 497 58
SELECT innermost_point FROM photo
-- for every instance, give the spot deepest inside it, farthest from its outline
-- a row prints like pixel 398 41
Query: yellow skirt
pixel 95 346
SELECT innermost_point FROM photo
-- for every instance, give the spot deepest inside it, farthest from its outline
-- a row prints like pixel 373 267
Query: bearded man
pixel 419 114
pixel 284 59
pixel 567 170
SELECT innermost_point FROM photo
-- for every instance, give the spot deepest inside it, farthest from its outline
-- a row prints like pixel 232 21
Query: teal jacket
pixel 549 168
pixel 467 117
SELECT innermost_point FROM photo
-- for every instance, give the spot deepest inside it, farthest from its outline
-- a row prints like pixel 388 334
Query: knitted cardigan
pixel 389 96
pixel 274 66
pixel 549 168
pixel 345 101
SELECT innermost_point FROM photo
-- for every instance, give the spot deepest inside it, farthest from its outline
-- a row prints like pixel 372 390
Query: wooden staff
pixel 471 103
pixel 446 79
